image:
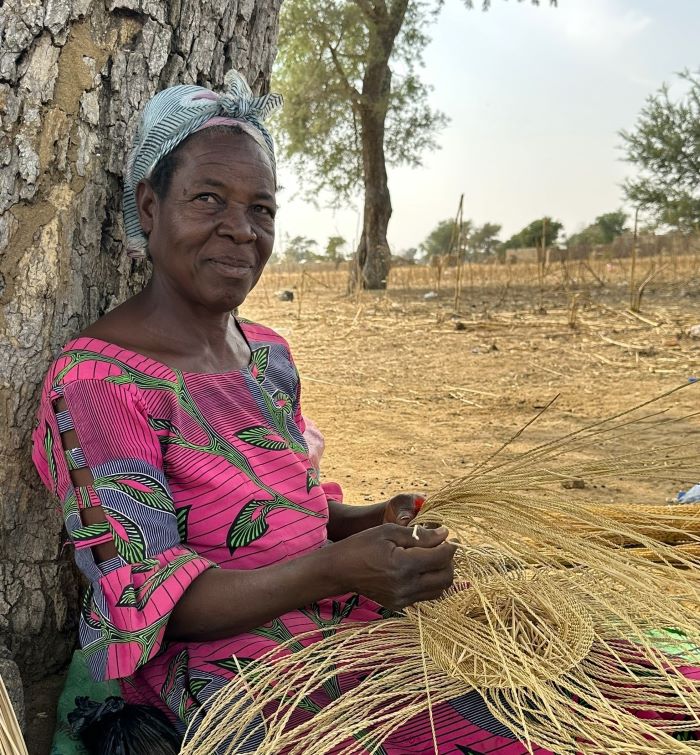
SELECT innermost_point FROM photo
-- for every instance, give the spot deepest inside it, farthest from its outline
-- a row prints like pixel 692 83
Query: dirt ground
pixel 410 391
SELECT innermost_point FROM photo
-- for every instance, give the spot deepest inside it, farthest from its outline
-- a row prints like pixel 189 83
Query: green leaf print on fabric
pixel 279 406
pixel 245 529
pixel 145 637
pixel 313 479
pixel 197 685
pixel 128 597
pixel 155 495
pixel 183 515
pixel 339 612
pixel 148 564
pixel 685 736
pixel 89 532
pixel 128 538
pixel 234 664
pixel 278 631
pixel 262 437
pixel 88 610
pixel 283 402
pixel 259 359
pixel 70 504
pixel 140 596
pixel 175 690
pixel 48 450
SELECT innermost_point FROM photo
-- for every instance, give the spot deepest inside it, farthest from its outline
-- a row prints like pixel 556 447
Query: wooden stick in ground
pixel 640 290
pixel 542 262
pixel 300 296
pixel 633 300
pixel 457 238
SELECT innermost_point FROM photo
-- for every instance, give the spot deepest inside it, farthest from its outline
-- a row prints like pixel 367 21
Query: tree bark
pixel 373 257
pixel 74 75
pixel 372 262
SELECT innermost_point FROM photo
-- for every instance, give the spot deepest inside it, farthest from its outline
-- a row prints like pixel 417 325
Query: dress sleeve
pixel 118 455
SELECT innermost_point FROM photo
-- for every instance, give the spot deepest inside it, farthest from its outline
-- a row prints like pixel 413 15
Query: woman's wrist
pixel 347 519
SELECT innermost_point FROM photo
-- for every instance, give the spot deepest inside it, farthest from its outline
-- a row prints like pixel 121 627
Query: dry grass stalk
pixel 573 621
pixel 11 739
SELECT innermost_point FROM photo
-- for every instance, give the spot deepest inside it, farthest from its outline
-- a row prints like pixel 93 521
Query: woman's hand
pixel 392 566
pixel 402 508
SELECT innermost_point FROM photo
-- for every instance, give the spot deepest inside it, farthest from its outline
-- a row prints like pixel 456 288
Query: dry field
pixel 410 392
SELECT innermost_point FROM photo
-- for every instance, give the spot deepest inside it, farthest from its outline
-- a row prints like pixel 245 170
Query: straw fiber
pixel 578 623
pixel 11 740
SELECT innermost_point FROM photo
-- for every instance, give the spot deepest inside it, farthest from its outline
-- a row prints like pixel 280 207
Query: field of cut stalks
pixel 410 390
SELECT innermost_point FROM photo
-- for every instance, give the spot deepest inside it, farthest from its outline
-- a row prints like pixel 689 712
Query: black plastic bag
pixel 114 727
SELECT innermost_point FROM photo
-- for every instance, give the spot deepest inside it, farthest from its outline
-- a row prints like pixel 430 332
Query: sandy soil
pixel 409 394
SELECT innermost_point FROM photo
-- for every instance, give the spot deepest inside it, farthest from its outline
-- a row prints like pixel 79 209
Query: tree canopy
pixel 475 239
pixel 532 234
pixel 441 239
pixel 484 239
pixel 664 145
pixel 333 248
pixel 299 249
pixel 325 52
pixel 604 230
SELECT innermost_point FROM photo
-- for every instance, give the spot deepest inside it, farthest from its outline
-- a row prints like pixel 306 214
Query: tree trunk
pixel 373 257
pixel 73 76
pixel 372 261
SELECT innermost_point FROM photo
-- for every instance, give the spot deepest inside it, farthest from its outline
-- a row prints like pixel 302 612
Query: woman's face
pixel 211 235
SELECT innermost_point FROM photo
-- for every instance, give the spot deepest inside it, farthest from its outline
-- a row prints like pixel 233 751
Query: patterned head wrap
pixel 178 112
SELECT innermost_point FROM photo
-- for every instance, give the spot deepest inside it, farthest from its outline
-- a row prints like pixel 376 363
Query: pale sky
pixel 536 97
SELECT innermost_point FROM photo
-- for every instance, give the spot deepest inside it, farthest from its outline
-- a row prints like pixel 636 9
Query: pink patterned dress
pixel 197 471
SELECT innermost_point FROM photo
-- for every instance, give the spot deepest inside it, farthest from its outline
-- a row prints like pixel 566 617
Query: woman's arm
pixel 387 564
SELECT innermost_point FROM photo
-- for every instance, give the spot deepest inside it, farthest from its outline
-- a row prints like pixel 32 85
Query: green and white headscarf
pixel 178 112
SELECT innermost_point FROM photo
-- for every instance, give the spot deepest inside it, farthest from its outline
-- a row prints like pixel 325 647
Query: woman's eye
pixel 206 198
pixel 261 208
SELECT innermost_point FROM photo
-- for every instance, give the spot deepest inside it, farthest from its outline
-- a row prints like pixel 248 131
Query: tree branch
pixel 375 11
pixel 350 90
pixel 397 13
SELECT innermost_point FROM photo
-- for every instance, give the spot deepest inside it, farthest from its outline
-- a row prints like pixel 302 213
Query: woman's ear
pixel 146 202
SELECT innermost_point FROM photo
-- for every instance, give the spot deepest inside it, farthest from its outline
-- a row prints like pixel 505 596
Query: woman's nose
pixel 235 224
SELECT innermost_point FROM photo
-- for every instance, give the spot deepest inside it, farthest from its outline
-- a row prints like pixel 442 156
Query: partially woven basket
pixel 578 623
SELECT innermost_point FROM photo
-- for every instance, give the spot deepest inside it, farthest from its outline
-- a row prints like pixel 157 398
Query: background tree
pixel 440 239
pixel 409 254
pixel 532 234
pixel 483 240
pixel 333 250
pixel 300 249
pixel 354 102
pixel 73 77
pixel 665 147
pixel 604 230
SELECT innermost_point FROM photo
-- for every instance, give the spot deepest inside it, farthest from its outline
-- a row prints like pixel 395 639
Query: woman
pixel 173 436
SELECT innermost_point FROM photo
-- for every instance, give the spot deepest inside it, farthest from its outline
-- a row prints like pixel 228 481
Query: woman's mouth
pixel 233 268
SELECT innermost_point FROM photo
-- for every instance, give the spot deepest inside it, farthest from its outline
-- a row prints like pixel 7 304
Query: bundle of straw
pixel 579 624
pixel 11 740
